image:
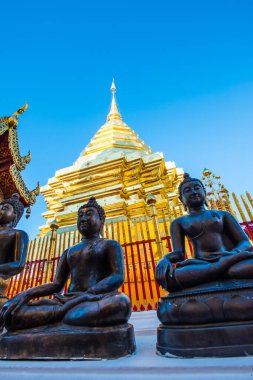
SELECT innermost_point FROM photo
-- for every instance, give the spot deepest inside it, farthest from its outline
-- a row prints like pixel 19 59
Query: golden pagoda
pixel 119 170
pixel 139 192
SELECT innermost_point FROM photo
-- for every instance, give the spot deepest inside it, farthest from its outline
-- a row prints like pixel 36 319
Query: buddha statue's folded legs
pixel 195 272
pixel 111 309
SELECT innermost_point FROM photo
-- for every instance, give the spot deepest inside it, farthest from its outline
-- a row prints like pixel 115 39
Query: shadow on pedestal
pixel 61 342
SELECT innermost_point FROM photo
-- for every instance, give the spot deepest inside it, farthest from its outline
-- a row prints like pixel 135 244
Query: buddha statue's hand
pixel 70 300
pixel 84 296
pixel 12 306
pixel 92 297
pixel 175 256
pixel 164 266
pixel 63 298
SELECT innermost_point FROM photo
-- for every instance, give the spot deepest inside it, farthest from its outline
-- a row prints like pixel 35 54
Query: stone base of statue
pixel 212 320
pixel 65 342
pixel 217 340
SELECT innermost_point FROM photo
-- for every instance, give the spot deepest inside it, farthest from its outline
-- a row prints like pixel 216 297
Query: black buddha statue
pixel 96 270
pixel 13 242
pixel 215 286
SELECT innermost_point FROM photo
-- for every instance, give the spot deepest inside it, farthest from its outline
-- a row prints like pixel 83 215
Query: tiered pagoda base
pixel 214 320
pixel 64 342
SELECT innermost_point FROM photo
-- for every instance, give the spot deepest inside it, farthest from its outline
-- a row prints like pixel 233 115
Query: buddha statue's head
pixel 11 211
pixel 91 218
pixel 192 192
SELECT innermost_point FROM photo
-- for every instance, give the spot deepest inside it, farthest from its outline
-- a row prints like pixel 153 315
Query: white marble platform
pixel 145 364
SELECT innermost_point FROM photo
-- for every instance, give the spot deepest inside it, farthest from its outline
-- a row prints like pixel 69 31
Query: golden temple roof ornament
pixel 13 119
pixel 12 162
pixel 217 193
pixel 114 112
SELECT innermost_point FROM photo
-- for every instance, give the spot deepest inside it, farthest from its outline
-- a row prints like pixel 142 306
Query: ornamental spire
pixel 114 112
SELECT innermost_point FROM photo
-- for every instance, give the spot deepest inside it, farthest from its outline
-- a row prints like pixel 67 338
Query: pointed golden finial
pixel 21 110
pixel 114 112
pixel 13 119
pixel 113 87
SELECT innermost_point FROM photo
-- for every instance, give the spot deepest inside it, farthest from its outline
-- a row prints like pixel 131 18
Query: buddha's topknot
pixel 93 203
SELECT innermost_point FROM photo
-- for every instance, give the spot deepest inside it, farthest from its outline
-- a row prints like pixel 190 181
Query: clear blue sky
pixel 183 70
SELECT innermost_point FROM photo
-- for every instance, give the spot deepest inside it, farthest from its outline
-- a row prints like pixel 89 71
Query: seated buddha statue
pixel 209 308
pixel 221 249
pixel 13 242
pixel 96 270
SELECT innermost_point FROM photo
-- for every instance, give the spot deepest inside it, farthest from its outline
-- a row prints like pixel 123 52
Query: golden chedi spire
pixel 114 112
pixel 115 135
